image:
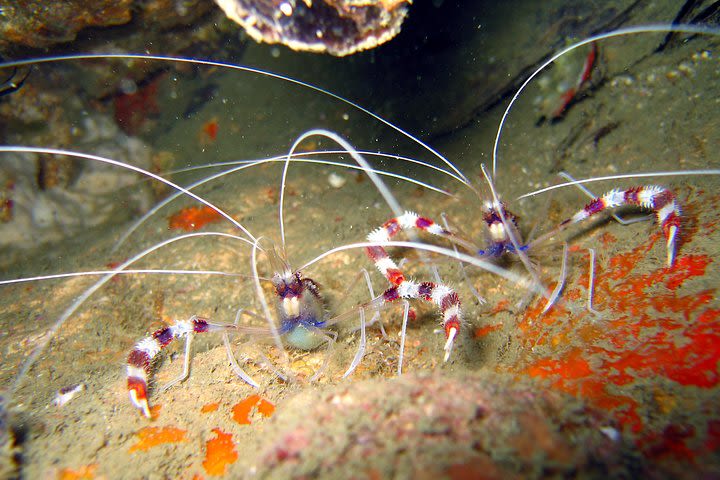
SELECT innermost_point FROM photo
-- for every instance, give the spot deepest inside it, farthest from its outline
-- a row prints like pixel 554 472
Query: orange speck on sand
pixel 85 472
pixel 607 238
pixel 209 131
pixel 243 410
pixel 210 407
pixel 501 306
pixel 113 266
pixel 308 146
pixel 486 330
pixel 575 248
pixel 193 218
pixel 155 411
pixel 220 453
pixel 153 436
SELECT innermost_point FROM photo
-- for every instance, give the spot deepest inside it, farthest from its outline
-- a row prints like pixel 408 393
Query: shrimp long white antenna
pixel 661 28
pixel 30 361
pixel 620 176
pixel 55 151
pixel 170 198
pixel 468 259
pixel 300 157
pixel 254 163
pixel 93 56
pixel 379 184
pixel 91 273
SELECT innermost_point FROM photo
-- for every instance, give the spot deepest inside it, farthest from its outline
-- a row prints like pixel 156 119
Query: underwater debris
pixel 56 171
pixel 65 394
pixel 337 27
pixel 571 79
pixel 209 131
pixel 134 107
pixel 6 201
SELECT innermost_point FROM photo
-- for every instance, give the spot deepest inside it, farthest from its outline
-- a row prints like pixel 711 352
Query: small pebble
pixel 686 69
pixel 336 181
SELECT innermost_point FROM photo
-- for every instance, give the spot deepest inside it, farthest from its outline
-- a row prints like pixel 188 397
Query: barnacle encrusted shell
pixel 337 27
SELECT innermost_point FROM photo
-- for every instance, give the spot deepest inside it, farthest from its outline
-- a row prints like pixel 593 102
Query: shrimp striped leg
pixel 140 360
pixel 407 221
pixel 444 297
pixel 652 197
pixel 411 220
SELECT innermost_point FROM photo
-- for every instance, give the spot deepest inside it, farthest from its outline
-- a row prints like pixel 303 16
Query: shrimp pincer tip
pixel 137 389
pixel 141 404
pixel 452 333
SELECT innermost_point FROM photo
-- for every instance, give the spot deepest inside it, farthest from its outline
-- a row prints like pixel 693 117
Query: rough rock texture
pixel 337 27
pixel 430 426
pixel 40 24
